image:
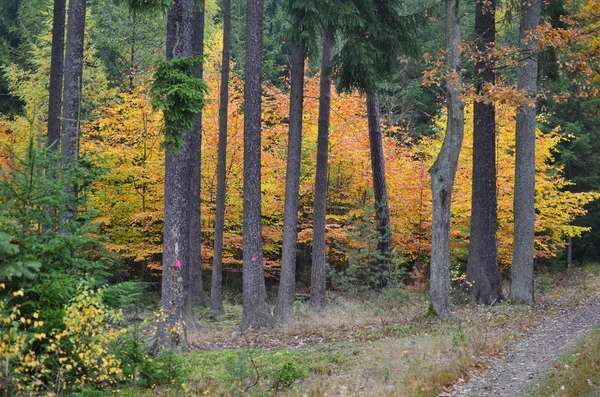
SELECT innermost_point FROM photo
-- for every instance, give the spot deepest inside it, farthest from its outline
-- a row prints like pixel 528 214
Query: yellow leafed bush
pixel 71 359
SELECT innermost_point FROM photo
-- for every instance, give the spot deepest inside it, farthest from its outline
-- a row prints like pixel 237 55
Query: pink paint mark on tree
pixel 177 264
pixel 253 259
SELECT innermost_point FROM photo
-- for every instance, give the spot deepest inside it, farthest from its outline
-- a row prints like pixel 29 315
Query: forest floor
pixel 527 362
pixel 386 345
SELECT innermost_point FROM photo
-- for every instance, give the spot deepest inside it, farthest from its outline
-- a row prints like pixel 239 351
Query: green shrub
pixel 289 373
pixel 47 255
pixel 361 272
pixel 143 370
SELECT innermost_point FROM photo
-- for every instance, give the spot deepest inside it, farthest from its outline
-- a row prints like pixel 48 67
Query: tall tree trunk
pixel 522 280
pixel 73 71
pixel 287 281
pixel 195 292
pixel 318 275
pixel 443 171
pixel 482 265
pixel 56 75
pixel 255 309
pixel 382 210
pixel 216 285
pixel 176 310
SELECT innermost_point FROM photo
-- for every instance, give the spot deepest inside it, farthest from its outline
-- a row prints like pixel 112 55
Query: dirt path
pixel 529 360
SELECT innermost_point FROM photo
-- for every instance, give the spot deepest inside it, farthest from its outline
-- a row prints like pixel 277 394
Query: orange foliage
pixel 130 198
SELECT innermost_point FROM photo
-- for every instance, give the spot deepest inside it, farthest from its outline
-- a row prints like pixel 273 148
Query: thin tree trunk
pixel 287 281
pixel 570 253
pixel 482 267
pixel 73 71
pixel 195 292
pixel 522 279
pixel 56 75
pixel 382 210
pixel 216 285
pixel 255 309
pixel 318 275
pixel 177 316
pixel 443 171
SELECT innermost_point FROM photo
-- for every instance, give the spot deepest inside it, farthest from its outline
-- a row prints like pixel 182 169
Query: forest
pixel 298 197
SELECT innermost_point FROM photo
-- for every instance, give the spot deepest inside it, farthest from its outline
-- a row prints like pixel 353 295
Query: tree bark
pixel 318 274
pixel 522 279
pixel 443 171
pixel 382 210
pixel 482 267
pixel 255 309
pixel 216 285
pixel 177 316
pixel 56 75
pixel 195 292
pixel 287 281
pixel 73 71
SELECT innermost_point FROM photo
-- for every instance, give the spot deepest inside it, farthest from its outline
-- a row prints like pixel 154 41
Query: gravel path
pixel 529 360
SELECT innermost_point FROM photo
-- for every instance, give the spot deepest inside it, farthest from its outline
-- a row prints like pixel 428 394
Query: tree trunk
pixel 570 253
pixel 216 285
pixel 443 171
pixel 177 316
pixel 482 265
pixel 318 275
pixel 195 292
pixel 382 210
pixel 522 280
pixel 73 71
pixel 255 311
pixel 287 281
pixel 56 75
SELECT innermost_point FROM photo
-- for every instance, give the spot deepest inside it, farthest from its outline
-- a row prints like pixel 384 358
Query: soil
pixel 525 364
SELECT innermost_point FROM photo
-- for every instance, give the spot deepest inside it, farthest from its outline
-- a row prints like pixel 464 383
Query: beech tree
pixel 443 171
pixel 521 271
pixel 255 309
pixel 216 292
pixel 482 267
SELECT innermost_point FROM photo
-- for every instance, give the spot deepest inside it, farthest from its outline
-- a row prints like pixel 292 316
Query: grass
pixel 372 344
pixel 576 374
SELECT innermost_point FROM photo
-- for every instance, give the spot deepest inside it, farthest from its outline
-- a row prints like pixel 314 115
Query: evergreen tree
pixel 216 287
pixel 56 74
pixel 287 280
pixel 367 56
pixel 483 271
pixel 176 305
pixel 195 291
pixel 73 82
pixel 255 311
pixel 318 270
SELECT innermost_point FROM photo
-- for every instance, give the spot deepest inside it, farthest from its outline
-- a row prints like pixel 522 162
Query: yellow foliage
pixel 72 358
